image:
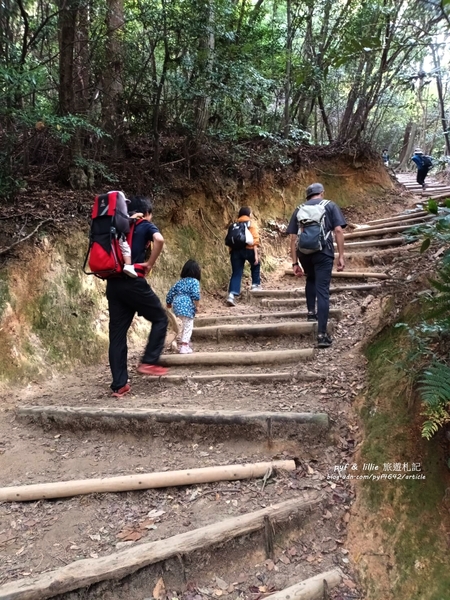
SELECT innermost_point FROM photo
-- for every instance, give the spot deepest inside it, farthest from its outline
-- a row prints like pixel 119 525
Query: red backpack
pixel 109 220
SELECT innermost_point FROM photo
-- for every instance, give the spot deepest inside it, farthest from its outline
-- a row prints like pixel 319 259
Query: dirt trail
pixel 45 535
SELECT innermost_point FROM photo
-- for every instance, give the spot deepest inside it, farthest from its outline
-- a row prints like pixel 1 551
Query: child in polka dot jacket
pixel 183 298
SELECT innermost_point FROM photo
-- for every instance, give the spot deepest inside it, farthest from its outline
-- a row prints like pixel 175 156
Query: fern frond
pixel 435 388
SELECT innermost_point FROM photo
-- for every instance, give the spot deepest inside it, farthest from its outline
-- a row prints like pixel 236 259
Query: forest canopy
pixel 86 82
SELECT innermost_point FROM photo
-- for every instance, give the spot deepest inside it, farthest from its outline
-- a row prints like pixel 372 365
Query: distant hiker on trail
pixel 184 297
pixel 127 296
pixel 243 240
pixel 385 157
pixel 311 242
pixel 423 163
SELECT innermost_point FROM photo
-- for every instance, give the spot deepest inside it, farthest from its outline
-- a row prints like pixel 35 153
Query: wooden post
pixel 144 481
pixel 374 243
pixel 268 357
pixel 85 572
pixel 173 415
pixel 359 233
pixel 401 217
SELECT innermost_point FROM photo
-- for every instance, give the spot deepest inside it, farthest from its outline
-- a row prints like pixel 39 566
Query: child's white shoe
pixel 130 271
pixel 185 349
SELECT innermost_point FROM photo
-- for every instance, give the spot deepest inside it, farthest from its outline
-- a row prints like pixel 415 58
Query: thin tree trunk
pixel 443 116
pixel 287 85
pixel 325 118
pixel 206 52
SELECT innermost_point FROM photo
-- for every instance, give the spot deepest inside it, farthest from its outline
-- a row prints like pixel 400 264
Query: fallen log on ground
pixel 302 375
pixel 400 217
pixel 243 330
pixel 268 357
pixel 204 321
pixel 441 196
pixel 86 572
pixel 172 415
pixel 143 481
pixel 312 588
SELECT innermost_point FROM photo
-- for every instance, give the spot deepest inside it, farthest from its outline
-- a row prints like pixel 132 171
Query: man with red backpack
pixel 127 296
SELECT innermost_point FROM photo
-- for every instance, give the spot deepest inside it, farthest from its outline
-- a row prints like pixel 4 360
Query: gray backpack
pixel 311 227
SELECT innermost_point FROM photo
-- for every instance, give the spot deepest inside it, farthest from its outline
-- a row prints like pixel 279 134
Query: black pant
pixel 421 174
pixel 318 268
pixel 126 297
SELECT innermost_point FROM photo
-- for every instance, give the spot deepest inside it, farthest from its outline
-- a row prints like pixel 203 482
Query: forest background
pixel 183 84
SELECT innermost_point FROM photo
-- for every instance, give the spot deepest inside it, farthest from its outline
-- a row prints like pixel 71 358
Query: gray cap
pixel 418 151
pixel 314 189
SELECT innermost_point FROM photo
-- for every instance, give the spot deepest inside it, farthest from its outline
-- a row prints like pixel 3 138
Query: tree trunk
pixel 112 76
pixel 205 65
pixel 437 67
pixel 408 148
pixel 287 83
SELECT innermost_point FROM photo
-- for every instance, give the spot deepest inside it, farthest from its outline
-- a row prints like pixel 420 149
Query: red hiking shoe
pixel 122 391
pixel 155 370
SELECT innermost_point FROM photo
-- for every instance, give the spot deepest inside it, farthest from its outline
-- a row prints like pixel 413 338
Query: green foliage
pixel 435 394
pixel 432 206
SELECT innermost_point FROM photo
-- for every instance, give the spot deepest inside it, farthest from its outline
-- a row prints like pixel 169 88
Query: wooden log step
pixel 249 317
pixel 174 415
pixel 253 378
pixel 142 481
pixel 313 588
pixel 392 224
pixel 351 274
pixel 267 357
pixel 370 232
pixel 401 217
pixel 299 293
pixel 259 330
pixel 86 572
pixel 374 243
pixel 441 196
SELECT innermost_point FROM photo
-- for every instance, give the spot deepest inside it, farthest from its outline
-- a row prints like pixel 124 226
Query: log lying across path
pixel 240 330
pixel 249 317
pixel 272 377
pixel 299 293
pixel 400 217
pixel 268 357
pixel 168 415
pixel 86 572
pixel 313 588
pixel 143 481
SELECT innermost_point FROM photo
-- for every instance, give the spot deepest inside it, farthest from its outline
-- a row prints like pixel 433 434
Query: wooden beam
pixel 391 224
pixel 401 217
pixel 398 241
pixel 172 415
pixel 441 196
pixel 299 293
pixel 251 317
pixel 243 330
pixel 267 357
pixel 85 572
pixel 312 588
pixel 143 481
pixel 351 274
pixel 302 375
pixel 359 233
